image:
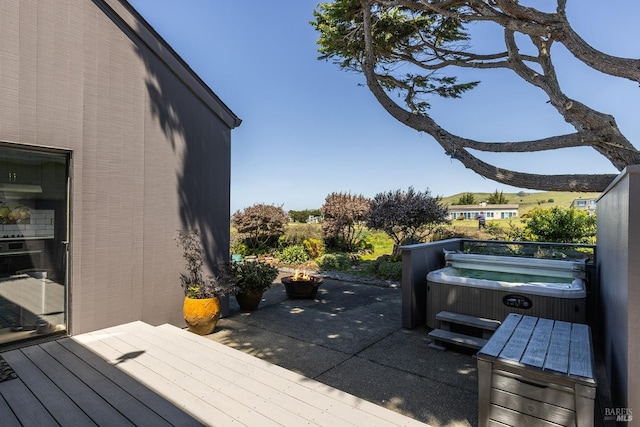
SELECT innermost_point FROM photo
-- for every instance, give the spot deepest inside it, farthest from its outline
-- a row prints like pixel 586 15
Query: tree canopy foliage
pixel 415 47
pixel 497 198
pixel 343 213
pixel 260 225
pixel 303 215
pixel 406 217
pixel 561 225
pixel 467 199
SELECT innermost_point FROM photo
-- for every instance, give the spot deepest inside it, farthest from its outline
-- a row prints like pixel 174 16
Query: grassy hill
pixel 529 200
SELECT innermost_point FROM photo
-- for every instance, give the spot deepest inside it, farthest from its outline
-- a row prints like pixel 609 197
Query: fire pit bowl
pixel 301 287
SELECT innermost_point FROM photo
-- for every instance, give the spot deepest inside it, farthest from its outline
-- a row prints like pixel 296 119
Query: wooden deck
pixel 136 374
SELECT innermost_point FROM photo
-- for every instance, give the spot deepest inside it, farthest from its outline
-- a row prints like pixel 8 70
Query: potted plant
pixel 201 307
pixel 252 279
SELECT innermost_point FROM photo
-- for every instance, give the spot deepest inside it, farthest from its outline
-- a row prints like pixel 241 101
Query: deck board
pixel 61 406
pixel 6 415
pixel 91 402
pixel 137 374
pixel 171 413
pixel 28 410
pixel 249 381
pixel 332 402
pixel 130 408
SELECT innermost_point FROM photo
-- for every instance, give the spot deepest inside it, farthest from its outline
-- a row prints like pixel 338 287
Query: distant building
pixel 588 205
pixel 504 211
pixel 314 219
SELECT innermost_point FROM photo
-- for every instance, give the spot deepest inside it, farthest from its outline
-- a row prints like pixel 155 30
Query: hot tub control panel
pixel 517 301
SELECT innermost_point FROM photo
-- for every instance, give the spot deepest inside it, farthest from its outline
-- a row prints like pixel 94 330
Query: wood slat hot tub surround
pixel 136 374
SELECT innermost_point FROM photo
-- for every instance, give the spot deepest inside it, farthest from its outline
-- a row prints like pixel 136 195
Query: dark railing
pixel 418 260
pixel 531 249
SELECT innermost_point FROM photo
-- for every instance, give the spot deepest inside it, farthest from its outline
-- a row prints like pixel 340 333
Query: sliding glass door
pixel 33 243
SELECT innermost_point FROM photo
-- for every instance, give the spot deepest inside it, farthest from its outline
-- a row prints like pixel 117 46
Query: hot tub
pixel 491 287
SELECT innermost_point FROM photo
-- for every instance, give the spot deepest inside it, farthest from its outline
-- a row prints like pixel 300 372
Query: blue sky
pixel 310 129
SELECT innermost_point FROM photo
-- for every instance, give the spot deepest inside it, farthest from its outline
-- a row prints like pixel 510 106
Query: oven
pixel 18 255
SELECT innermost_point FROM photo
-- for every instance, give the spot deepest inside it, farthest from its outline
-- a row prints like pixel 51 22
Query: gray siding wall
pixel 150 147
pixel 417 261
pixel 619 270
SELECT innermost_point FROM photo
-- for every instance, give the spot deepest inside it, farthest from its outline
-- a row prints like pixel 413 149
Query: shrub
pixel 390 270
pixel 314 247
pixel 253 276
pixel 334 262
pixel 238 247
pixel 518 234
pixel 260 225
pixel 296 234
pixel 194 282
pixel 387 267
pixel 343 213
pixel 407 217
pixel 293 255
pixel 561 225
pixel 495 230
pixel 302 216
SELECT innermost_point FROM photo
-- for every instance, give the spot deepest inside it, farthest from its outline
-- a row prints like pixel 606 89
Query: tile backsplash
pixel 39 224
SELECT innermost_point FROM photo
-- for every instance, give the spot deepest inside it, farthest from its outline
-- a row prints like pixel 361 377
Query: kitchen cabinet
pixel 20 171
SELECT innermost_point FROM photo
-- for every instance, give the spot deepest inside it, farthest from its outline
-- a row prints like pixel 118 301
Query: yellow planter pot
pixel 201 315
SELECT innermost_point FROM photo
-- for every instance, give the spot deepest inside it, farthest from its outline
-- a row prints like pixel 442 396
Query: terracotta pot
pixel 250 301
pixel 201 315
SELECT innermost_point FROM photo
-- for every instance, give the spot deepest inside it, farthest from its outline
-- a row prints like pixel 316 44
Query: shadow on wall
pixel 200 141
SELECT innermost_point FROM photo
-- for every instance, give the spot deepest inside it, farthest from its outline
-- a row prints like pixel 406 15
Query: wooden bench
pixel 537 372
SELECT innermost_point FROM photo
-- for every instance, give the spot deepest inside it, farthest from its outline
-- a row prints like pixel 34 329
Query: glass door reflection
pixel 33 235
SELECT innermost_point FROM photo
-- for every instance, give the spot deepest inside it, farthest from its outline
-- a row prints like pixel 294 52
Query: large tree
pixel 260 225
pixel 344 213
pixel 412 47
pixel 407 217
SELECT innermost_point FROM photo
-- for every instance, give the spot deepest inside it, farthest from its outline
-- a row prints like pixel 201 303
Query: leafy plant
pixel 293 255
pixel 238 247
pixel 561 225
pixel 495 230
pixel 336 261
pixel 194 282
pixel 253 276
pixel 390 270
pixel 314 247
